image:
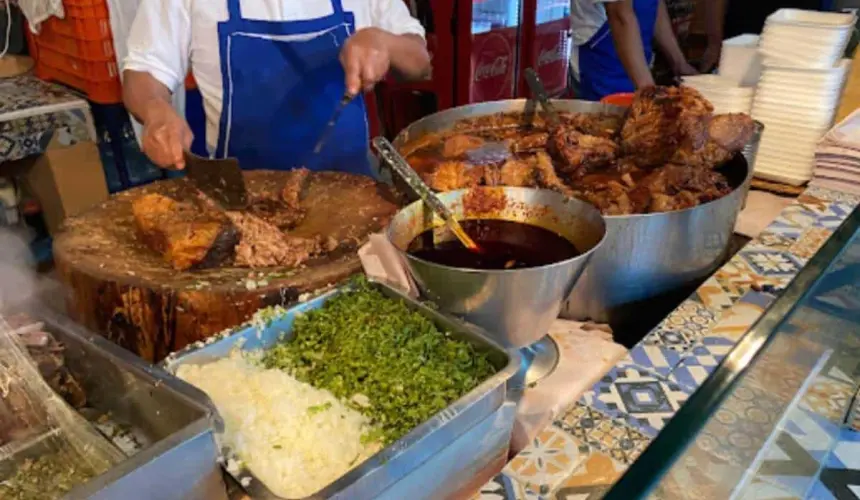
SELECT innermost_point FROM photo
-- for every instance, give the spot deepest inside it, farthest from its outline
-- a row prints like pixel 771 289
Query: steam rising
pixel 18 278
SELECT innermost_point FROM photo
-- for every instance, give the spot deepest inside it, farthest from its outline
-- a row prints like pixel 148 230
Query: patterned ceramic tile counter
pixel 776 429
pixel 36 116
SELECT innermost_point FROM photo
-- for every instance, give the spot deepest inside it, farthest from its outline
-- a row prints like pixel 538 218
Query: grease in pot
pixel 504 245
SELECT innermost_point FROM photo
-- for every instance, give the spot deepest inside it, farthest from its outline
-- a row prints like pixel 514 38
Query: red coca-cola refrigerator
pixel 480 50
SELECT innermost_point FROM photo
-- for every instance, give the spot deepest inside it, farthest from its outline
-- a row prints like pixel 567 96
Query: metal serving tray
pixel 181 460
pixel 409 454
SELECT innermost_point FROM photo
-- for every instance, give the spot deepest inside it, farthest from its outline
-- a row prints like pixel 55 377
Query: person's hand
pixel 685 69
pixel 166 135
pixel 711 57
pixel 366 59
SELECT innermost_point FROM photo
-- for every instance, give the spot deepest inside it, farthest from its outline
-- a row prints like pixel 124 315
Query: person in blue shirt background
pixel 613 42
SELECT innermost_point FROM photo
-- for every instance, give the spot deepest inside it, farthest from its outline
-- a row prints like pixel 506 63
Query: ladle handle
pixel 388 153
pixel 539 92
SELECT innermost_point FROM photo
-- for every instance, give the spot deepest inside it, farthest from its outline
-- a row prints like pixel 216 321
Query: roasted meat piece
pixel 453 175
pixel 726 136
pixel 597 124
pixel 186 236
pixel 263 245
pixel 611 198
pixel 294 187
pixel 530 142
pixel 547 176
pixel 731 131
pixel 458 145
pixel 578 153
pixel 660 120
pixel 676 187
pixel 517 173
pixel 280 205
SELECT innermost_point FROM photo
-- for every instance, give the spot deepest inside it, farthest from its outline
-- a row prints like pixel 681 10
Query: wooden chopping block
pixel 120 288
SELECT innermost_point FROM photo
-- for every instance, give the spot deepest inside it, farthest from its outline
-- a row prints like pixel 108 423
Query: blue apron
pixel 282 81
pixel 600 70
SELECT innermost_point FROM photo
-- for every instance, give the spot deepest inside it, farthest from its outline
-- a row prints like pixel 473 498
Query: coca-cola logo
pixel 498 67
pixel 493 63
pixel 549 56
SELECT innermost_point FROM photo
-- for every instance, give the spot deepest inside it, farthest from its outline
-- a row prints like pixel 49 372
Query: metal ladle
pixel 388 153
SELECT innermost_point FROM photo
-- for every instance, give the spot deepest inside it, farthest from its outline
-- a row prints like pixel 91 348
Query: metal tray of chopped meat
pixel 178 455
pixel 406 456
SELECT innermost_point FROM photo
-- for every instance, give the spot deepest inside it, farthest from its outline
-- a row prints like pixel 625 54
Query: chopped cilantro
pixel 364 343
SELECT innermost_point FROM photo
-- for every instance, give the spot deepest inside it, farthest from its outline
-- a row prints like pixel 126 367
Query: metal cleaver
pixel 221 180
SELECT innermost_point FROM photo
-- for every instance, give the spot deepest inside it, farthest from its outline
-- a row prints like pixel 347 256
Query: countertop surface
pixel 594 440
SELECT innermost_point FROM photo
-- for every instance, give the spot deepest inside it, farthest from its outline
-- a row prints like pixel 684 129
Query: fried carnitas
pixel 675 187
pixel 578 153
pixel 453 175
pixel 186 236
pixel 199 234
pixel 596 124
pixel 660 120
pixel 280 206
pixel 726 135
pixel 530 142
pixel 658 157
pixel 458 145
pixel 263 245
pixel 548 178
pixel 517 173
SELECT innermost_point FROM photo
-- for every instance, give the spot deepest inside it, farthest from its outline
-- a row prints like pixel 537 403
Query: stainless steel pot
pixel 515 306
pixel 643 256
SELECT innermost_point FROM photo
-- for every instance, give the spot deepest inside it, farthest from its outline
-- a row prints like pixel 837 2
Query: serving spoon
pixel 388 153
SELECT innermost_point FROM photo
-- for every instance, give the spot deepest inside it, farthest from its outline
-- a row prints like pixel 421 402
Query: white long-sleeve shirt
pixel 168 35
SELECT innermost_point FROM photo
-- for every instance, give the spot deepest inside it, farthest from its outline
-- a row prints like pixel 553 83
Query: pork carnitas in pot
pixel 661 156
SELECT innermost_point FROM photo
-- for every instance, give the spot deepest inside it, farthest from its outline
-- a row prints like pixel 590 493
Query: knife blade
pixel 344 102
pixel 220 179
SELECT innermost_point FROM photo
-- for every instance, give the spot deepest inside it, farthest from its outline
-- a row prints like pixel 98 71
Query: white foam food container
pixel 800 17
pixel 791 180
pixel 740 60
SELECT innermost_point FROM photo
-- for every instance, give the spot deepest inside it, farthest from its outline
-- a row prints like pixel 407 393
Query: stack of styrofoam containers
pixel 725 93
pixel 799 89
pixel 740 60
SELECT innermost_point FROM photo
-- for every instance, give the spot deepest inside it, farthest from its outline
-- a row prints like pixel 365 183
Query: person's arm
pixel 369 54
pixel 664 35
pixel 394 42
pixel 157 62
pixel 628 42
pixel 715 13
pixel 166 135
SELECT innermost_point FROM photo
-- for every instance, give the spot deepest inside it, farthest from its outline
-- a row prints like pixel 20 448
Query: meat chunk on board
pixel 280 206
pixel 185 236
pixel 263 245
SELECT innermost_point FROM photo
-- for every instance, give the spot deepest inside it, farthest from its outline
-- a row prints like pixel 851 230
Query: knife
pixel 344 102
pixel 221 180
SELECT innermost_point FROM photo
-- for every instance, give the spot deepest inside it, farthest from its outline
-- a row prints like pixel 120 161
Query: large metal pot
pixel 643 256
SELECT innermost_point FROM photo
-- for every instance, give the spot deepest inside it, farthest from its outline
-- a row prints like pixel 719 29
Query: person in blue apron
pixel 613 44
pixel 271 73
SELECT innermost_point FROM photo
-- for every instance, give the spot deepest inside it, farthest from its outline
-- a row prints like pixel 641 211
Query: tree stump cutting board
pixel 120 288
